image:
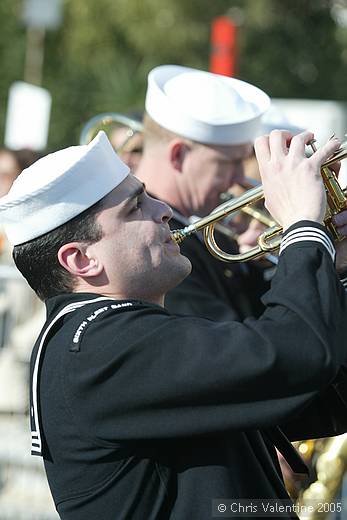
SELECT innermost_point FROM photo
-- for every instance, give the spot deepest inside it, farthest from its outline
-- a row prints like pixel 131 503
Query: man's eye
pixel 137 205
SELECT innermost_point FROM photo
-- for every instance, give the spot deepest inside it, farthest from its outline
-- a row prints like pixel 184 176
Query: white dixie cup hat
pixel 205 107
pixel 58 187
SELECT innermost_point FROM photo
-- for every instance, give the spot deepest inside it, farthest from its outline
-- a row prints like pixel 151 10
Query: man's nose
pixel 163 212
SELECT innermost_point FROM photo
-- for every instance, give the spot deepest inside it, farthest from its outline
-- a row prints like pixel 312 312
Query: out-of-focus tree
pixel 12 49
pixel 99 58
pixel 292 48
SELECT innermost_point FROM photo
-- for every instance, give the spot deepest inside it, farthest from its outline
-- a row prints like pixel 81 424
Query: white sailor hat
pixel 59 187
pixel 205 107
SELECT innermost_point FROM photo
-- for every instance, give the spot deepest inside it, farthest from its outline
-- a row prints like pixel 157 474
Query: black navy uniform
pixel 141 414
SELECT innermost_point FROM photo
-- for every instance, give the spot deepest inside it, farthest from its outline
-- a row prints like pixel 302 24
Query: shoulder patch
pixel 77 337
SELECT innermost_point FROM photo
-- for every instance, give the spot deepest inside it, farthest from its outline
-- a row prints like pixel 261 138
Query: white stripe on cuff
pixel 344 282
pixel 317 236
pixel 308 233
pixel 311 231
pixel 307 229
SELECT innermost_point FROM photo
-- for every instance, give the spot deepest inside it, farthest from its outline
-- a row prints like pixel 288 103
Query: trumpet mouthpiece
pixel 178 236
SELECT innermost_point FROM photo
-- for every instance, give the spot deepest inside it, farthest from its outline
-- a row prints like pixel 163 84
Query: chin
pixel 185 270
pixel 177 272
pixel 187 265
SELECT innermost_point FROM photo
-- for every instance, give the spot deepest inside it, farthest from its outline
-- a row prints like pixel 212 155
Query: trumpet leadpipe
pixel 222 211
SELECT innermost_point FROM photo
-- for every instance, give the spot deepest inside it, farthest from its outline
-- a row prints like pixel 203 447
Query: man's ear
pixel 178 152
pixel 76 259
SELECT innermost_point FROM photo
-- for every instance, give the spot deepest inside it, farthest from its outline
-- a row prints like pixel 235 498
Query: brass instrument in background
pixel 261 215
pixel 270 240
pixel 320 498
pixel 109 120
pixel 255 213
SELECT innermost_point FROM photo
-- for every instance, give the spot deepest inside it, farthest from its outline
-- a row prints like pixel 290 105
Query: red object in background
pixel 223 46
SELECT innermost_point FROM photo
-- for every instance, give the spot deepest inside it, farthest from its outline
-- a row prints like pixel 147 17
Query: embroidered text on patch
pixel 93 316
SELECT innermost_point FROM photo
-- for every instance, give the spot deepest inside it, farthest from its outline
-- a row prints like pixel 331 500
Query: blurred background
pixel 64 61
pixel 93 56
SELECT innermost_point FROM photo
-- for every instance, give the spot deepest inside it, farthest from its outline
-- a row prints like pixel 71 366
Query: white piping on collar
pixel 36 439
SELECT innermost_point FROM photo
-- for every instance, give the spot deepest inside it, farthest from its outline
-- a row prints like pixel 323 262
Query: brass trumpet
pixel 254 213
pixel 270 240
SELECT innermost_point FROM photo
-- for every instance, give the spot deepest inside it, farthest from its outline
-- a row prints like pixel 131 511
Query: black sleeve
pixel 325 415
pixel 147 374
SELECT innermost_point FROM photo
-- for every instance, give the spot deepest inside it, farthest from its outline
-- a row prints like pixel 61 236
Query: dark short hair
pixel 37 259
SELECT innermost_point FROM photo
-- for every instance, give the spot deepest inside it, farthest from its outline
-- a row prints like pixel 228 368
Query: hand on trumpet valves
pixel 292 182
